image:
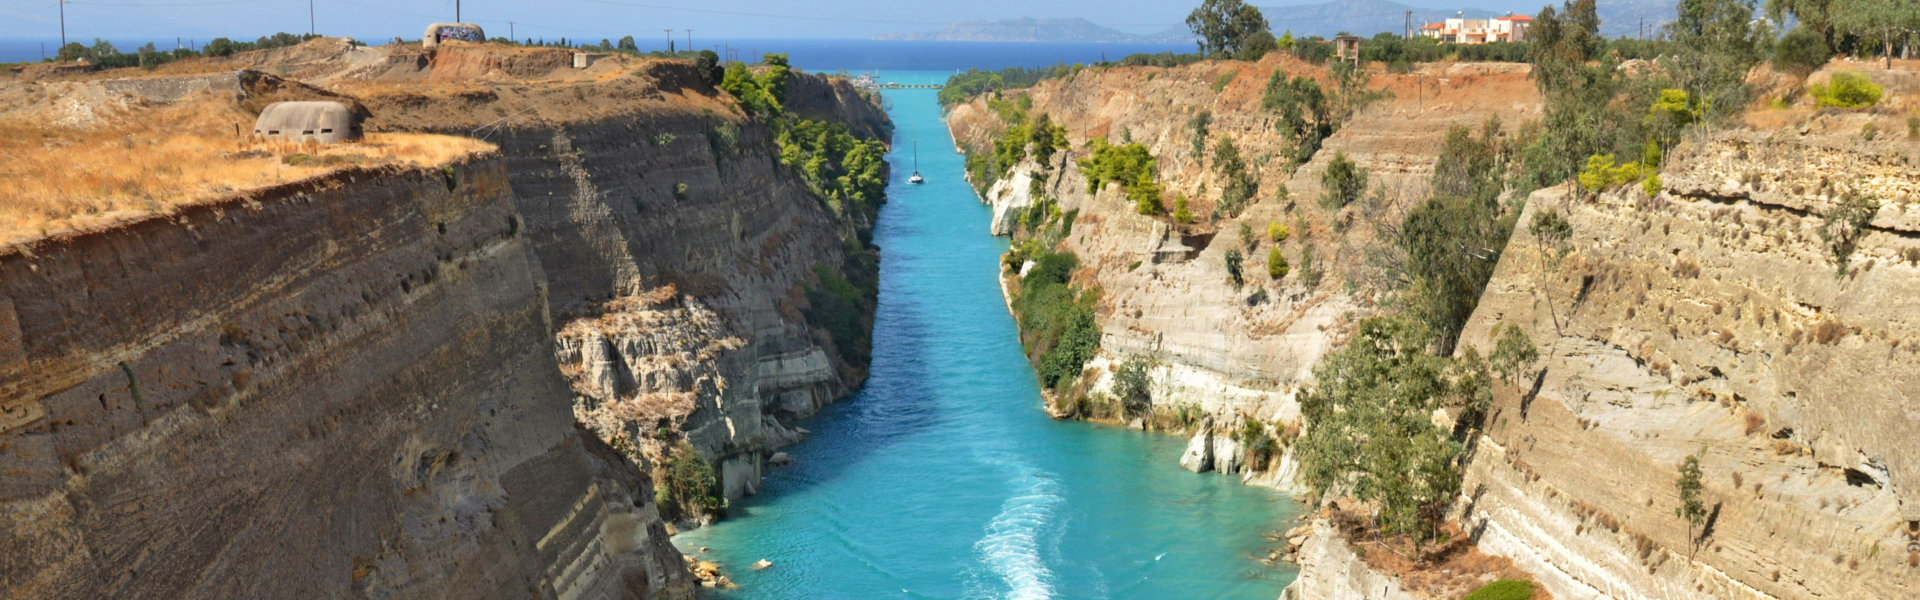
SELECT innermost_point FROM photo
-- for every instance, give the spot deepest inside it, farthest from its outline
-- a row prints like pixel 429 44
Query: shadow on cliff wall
pixel 895 404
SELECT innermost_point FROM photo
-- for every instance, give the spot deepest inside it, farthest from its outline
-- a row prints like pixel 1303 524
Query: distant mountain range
pixel 1364 18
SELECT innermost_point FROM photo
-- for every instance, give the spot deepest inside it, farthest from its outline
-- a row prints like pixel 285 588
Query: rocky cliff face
pixel 1710 320
pixel 1705 320
pixel 434 381
pixel 678 251
pixel 340 387
pixel 1232 353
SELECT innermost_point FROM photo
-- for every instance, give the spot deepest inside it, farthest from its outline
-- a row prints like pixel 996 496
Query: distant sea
pixel 814 55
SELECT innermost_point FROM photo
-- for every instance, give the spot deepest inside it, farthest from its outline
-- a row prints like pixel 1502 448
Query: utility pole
pixel 669 41
pixel 689 40
pixel 1409 24
pixel 510 30
pixel 1643 28
pixel 456 11
pixel 63 23
pixel 310 28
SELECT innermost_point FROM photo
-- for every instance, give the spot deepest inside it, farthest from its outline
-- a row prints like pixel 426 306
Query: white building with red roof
pixel 1510 28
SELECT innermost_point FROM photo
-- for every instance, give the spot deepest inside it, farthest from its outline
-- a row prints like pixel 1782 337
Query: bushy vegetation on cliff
pixel 1057 325
pixel 1130 165
pixel 687 488
pixel 848 174
pixel 974 82
pixel 104 55
pixel 841 168
pixel 1372 435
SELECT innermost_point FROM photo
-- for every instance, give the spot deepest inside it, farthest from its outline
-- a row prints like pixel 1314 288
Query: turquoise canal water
pixel 944 479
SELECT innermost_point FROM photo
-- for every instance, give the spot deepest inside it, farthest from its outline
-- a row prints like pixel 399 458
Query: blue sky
pixel 714 19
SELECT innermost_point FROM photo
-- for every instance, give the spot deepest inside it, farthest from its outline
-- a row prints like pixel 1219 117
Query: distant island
pixel 1622 18
pixel 1037 30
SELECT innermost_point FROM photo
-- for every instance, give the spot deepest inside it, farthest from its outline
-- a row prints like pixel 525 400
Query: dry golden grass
pixel 56 180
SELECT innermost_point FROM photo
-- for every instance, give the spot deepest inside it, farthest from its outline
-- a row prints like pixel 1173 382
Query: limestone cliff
pixel 457 380
pixel 337 387
pixel 1233 353
pixel 652 200
pixel 1713 319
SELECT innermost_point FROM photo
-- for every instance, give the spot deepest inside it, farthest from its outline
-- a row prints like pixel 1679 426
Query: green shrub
pixel 1844 227
pixel 1602 172
pixel 1234 274
pixel 1240 187
pixel 1343 183
pixel 1220 82
pixel 1651 186
pixel 1503 589
pixel 1132 386
pixel 1276 263
pixel 1198 123
pixel 1180 212
pixel 1848 90
pixel 1056 320
pixel 1277 232
pixel 1257 444
pixel 1308 274
pixel 688 489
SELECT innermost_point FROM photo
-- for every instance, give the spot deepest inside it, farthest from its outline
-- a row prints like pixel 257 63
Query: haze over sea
pixel 944 479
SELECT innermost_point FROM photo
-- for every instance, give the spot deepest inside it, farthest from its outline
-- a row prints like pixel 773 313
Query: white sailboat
pixel 916 178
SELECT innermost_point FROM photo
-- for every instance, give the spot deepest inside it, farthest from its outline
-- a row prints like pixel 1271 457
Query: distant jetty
pixel 866 81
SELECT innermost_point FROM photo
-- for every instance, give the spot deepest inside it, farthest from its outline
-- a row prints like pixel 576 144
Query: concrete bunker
pixel 318 121
pixel 440 32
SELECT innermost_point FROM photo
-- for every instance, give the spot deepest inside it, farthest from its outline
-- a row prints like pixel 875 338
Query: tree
pixel 1877 20
pixel 627 45
pixel 1343 183
pixel 707 64
pixel 1131 385
pixel 1692 509
pixel 1513 354
pixel 1553 232
pixel 1305 116
pixel 149 56
pixel 1234 275
pixel 1452 241
pixel 1715 45
pixel 219 47
pixel 1372 434
pixel 1812 15
pixel 1255 46
pixel 1223 26
pixel 1578 85
pixel 1802 51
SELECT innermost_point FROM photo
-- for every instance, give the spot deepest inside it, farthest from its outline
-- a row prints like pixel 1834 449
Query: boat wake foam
pixel 1018 539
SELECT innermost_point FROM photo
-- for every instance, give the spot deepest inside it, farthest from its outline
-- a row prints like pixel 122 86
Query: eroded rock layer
pixel 1230 352
pixel 339 387
pixel 1713 320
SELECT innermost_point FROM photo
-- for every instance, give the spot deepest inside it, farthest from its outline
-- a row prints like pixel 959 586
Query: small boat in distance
pixel 916 178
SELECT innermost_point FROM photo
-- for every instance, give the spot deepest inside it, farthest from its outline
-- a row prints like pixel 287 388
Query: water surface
pixel 944 479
